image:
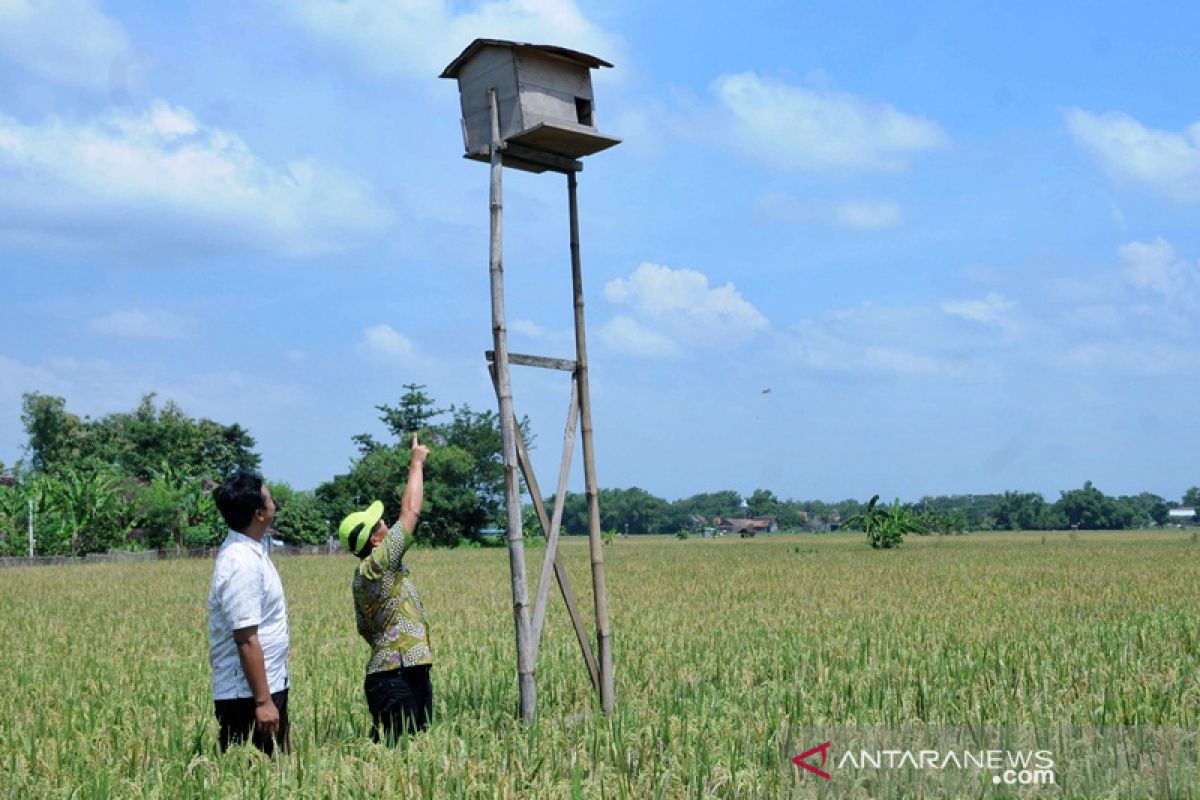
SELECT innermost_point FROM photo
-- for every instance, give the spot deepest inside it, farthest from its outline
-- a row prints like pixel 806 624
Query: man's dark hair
pixel 238 498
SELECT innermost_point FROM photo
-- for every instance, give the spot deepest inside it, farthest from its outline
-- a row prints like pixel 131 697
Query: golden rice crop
pixel 731 656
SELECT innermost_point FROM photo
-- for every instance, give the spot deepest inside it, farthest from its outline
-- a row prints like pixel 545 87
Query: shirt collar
pixel 234 537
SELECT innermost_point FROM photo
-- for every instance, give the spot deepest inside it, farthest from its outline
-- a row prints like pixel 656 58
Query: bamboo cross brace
pixel 560 496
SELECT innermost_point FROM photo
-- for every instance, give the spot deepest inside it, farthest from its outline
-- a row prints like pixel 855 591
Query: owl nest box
pixel 544 101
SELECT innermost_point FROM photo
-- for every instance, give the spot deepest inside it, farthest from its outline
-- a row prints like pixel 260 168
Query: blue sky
pixel 957 241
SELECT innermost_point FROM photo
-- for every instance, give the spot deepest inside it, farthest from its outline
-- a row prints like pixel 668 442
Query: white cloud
pixel 1139 357
pixel 904 362
pixel 786 207
pixel 1154 266
pixel 163 178
pixel 96 387
pixel 1168 287
pixel 135 324
pixel 1099 317
pixel 68 42
pixel 418 38
pixel 796 127
pixel 385 343
pixel 529 328
pixel 888 339
pixel 868 215
pixel 1165 162
pixel 991 309
pixel 556 339
pixel 626 335
pixel 858 215
pixel 17 377
pixel 679 306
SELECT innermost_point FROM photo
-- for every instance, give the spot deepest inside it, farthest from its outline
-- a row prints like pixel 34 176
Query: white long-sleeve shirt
pixel 245 591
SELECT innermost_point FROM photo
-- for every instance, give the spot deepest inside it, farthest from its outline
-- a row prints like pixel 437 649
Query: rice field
pixel 732 657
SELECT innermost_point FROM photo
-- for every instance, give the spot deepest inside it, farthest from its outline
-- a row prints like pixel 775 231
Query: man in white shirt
pixel 247 622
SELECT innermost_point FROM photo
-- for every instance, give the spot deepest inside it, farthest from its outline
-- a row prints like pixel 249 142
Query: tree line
pixel 142 480
pixel 1086 508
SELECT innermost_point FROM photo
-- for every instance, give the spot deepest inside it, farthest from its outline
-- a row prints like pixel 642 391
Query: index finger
pixel 414 444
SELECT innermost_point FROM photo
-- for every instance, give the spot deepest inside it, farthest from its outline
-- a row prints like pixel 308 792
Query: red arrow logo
pixel 799 760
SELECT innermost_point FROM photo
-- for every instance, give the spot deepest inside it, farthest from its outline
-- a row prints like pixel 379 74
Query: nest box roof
pixel 452 70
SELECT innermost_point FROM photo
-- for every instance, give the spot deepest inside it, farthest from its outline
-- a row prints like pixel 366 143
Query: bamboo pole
pixel 599 590
pixel 516 543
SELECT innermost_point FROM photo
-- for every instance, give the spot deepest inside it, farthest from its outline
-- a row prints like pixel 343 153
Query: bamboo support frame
pixel 534 361
pixel 599 584
pixel 515 455
pixel 560 569
pixel 516 544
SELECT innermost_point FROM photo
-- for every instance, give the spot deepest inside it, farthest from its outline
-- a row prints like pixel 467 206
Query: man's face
pixel 380 531
pixel 269 510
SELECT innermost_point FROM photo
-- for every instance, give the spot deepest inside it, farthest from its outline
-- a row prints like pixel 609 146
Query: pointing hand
pixel 419 451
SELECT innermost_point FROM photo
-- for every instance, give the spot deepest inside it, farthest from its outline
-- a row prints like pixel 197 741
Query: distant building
pixel 7 480
pixel 1181 515
pixel 746 527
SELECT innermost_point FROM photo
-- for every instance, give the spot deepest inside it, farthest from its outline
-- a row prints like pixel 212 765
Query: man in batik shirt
pixel 389 612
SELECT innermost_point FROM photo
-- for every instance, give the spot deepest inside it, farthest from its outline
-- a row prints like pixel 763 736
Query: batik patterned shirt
pixel 387 608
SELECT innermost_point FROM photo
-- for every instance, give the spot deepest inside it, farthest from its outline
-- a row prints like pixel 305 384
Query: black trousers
pixel 400 700
pixel 236 718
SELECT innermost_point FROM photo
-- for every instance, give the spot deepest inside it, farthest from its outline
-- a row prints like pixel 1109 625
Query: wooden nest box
pixel 544 100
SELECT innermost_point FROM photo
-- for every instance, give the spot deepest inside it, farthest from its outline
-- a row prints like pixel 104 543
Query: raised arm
pixel 414 490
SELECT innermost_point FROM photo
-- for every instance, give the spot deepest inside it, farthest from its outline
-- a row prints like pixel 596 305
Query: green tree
pixel 763 503
pixel 1191 498
pixel 14 512
pixel 176 510
pixel 92 509
pixel 944 523
pixel 464 475
pixel 141 441
pixel 711 504
pixel 477 434
pixel 845 509
pixel 52 533
pixel 575 516
pixel 412 415
pixel 792 515
pixel 135 443
pixel 886 526
pixel 1145 509
pixel 301 518
pixel 1090 509
pixel 1020 511
pixel 204 526
pixel 454 512
pixel 55 436
pixel 635 510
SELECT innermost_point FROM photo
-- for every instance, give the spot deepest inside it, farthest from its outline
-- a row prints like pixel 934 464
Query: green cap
pixel 356 527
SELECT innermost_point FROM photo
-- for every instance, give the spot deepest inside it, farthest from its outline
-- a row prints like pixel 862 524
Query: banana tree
pixel 886 526
pixel 93 513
